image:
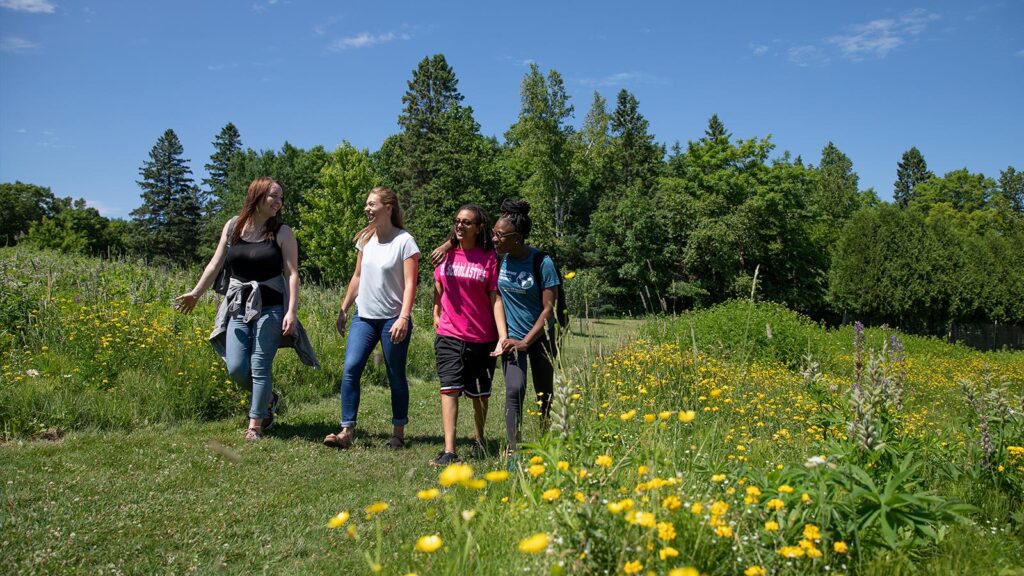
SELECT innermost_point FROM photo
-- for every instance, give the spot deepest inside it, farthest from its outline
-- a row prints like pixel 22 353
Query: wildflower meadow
pixel 742 439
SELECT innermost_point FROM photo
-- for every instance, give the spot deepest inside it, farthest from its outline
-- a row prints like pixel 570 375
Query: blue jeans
pixel 363 335
pixel 250 355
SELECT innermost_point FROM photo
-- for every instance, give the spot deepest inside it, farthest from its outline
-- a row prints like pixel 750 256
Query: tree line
pixel 647 227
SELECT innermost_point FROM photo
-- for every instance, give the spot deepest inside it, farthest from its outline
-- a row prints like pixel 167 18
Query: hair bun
pixel 515 207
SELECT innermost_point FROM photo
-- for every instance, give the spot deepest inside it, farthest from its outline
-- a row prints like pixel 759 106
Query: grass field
pixel 738 440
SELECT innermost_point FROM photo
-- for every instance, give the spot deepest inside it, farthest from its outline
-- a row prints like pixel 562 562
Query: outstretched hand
pixel 437 255
pixel 186 302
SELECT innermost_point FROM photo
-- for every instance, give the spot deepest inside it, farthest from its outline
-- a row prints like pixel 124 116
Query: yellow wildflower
pixel 376 508
pixel 839 547
pixel 718 478
pixel 697 508
pixel 666 530
pixel 687 571
pixel 668 552
pixel 603 461
pixel 771 526
pixel 534 544
pixel 811 532
pixel 687 416
pixel 627 415
pixel 786 489
pixel 429 494
pixel 791 552
pixel 562 465
pixel 496 476
pixel 551 494
pixel 455 474
pixel 775 504
pixel 428 544
pixel 723 531
pixel 754 570
pixel 633 567
pixel 339 520
pixel 671 503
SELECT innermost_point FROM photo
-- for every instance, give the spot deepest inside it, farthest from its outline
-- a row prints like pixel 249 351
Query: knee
pixel 239 372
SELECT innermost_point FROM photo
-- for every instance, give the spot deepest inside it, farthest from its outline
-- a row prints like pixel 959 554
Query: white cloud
pixel 622 78
pixel 16 45
pixel 35 6
pixel 807 56
pixel 322 28
pixel 366 39
pixel 106 210
pixel 877 38
pixel 758 49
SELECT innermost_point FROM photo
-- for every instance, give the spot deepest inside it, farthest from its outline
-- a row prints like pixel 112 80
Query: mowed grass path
pixel 198 498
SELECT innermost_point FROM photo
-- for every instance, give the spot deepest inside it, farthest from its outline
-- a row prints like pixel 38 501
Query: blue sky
pixel 86 88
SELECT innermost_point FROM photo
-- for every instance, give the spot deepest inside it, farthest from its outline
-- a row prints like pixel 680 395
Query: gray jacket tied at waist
pixel 253 307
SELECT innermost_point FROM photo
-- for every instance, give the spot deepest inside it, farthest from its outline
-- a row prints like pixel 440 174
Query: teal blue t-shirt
pixel 519 293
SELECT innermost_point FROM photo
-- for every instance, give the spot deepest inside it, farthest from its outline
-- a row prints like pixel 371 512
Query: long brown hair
pixel 257 194
pixel 388 197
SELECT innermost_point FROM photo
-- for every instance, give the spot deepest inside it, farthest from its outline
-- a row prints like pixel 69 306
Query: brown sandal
pixel 339 440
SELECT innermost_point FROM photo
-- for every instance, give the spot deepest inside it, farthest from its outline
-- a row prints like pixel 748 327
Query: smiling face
pixel 467 228
pixel 376 211
pixel 273 201
pixel 505 236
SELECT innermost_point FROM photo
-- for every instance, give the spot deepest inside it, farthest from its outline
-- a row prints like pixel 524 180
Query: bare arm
pixel 350 295
pixel 438 292
pixel 290 254
pixel 499 319
pixel 187 301
pixel 437 254
pixel 411 268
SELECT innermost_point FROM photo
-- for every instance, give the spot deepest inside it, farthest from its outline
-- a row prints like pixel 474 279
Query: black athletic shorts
pixel 464 366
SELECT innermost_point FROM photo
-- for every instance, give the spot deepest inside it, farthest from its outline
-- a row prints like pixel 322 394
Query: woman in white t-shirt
pixel 383 288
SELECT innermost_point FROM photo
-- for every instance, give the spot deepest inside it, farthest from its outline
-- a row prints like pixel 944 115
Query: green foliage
pixel 25 204
pixel 333 214
pixel 911 171
pixel 960 189
pixel 168 222
pixel 227 144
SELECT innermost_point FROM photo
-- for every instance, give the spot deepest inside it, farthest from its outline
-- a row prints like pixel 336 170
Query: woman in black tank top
pixel 257 247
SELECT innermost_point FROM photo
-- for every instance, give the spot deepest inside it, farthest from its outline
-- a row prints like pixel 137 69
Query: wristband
pixel 407 318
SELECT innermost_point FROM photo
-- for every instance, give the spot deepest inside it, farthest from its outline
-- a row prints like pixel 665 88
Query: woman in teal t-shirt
pixel 529 306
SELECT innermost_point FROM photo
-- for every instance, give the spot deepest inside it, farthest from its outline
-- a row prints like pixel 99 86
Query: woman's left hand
pixel 289 323
pixel 399 330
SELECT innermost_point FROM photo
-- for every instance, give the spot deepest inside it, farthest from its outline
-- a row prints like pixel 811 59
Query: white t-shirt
pixel 382 276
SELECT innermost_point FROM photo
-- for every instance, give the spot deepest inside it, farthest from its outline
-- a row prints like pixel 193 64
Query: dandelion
pixel 376 508
pixel 687 571
pixel 649 418
pixel 633 567
pixel 665 415
pixel 642 470
pixel 534 544
pixel 627 415
pixel 786 489
pixel 562 466
pixel 671 503
pixel 603 461
pixel 537 460
pixel 719 508
pixel 339 520
pixel 791 552
pixel 455 474
pixel 697 508
pixel 551 494
pixel 771 526
pixel 536 470
pixel 775 504
pixel 429 494
pixel 839 547
pixel 718 478
pixel 620 506
pixel 475 483
pixel 687 416
pixel 645 519
pixel 569 275
pixel 811 532
pixel 668 552
pixel 805 498
pixel 428 544
pixel 580 497
pixel 666 531
pixel 496 476
pixel 754 570
pixel 723 531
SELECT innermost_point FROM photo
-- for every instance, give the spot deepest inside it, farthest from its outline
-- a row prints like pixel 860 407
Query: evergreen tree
pixel 911 171
pixel 169 220
pixel 227 144
pixel 716 131
pixel 637 157
pixel 445 162
pixel 836 194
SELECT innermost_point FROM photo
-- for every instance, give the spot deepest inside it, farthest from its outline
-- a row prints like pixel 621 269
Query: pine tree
pixel 716 131
pixel 911 171
pixel 837 193
pixel 637 157
pixel 227 145
pixel 169 220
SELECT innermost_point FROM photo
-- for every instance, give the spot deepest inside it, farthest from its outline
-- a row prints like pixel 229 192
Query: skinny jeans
pixel 250 350
pixel 363 336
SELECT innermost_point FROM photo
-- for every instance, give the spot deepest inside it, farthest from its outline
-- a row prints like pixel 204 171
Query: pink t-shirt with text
pixel 468 278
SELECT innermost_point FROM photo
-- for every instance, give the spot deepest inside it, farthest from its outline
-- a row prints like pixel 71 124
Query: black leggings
pixel 514 368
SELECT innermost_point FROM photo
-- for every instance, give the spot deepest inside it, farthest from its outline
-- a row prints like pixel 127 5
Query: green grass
pixel 150 473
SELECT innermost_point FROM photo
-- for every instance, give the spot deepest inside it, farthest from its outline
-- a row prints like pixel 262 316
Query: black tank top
pixel 257 261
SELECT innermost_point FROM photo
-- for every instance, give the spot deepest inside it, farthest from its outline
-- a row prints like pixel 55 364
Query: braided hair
pixel 483 239
pixel 517 213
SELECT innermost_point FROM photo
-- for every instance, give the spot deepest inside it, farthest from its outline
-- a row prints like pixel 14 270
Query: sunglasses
pixel 464 222
pixel 502 236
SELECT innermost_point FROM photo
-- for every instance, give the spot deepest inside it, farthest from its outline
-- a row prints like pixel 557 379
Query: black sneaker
pixel 446 458
pixel 269 420
pixel 478 451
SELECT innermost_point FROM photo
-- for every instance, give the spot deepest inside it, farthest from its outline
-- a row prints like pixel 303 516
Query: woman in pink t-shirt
pixel 467 312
